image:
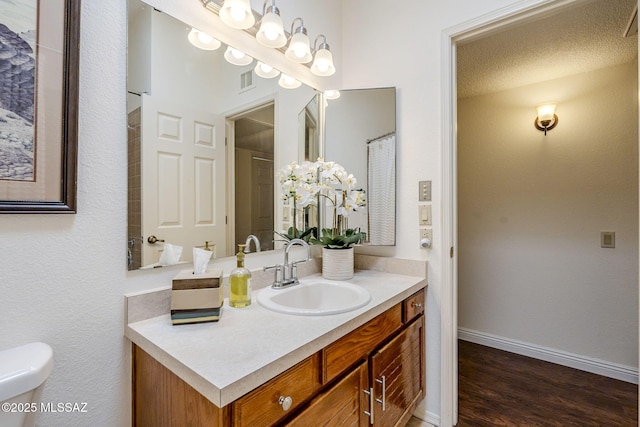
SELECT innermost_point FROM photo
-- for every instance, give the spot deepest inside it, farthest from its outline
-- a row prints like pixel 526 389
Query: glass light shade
pixel 203 40
pixel 266 71
pixel 299 49
pixel 323 63
pixel 332 94
pixel 288 82
pixel 271 32
pixel 236 57
pixel 546 112
pixel 237 14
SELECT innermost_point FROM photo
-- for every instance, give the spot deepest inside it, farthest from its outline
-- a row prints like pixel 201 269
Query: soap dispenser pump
pixel 240 282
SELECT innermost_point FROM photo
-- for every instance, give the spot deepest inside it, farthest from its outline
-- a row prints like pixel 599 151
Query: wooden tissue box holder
pixel 196 298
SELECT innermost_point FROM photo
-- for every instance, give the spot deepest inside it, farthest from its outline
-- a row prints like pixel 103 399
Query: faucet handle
pixel 279 273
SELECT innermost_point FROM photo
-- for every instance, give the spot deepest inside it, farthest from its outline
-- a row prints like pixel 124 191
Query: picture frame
pixel 39 142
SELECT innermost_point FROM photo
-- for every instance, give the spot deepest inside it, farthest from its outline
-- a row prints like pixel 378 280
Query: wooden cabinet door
pixel 341 405
pixel 397 376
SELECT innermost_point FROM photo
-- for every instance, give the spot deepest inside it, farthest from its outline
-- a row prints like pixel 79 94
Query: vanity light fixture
pixel 299 49
pixel 271 32
pixel 236 57
pixel 547 118
pixel 266 71
pixel 237 14
pixel 288 82
pixel 323 60
pixel 332 94
pixel 203 40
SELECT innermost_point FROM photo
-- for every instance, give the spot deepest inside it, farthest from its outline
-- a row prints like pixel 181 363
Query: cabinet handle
pixel 370 412
pixel 384 392
pixel 285 402
pixel 417 305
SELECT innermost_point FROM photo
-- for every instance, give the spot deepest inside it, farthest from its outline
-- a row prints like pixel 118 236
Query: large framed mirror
pixel 206 139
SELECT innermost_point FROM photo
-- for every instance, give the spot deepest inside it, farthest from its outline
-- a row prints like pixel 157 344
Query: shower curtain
pixel 381 197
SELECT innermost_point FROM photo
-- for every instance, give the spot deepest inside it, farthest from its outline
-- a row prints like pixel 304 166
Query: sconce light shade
pixel 546 119
pixel 288 82
pixel 236 57
pixel 332 94
pixel 271 32
pixel 237 14
pixel 266 71
pixel 203 40
pixel 323 60
pixel 299 49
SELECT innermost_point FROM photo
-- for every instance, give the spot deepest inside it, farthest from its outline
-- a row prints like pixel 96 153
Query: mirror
pixel 186 188
pixel 360 129
pixel 178 93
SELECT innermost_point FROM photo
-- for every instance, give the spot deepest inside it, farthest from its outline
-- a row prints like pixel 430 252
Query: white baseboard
pixel 596 366
pixel 426 416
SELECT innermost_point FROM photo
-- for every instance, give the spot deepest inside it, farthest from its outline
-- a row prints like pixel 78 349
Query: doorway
pixel 499 21
pixel 251 142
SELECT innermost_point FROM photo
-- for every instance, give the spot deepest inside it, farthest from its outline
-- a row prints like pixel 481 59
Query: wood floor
pixel 498 388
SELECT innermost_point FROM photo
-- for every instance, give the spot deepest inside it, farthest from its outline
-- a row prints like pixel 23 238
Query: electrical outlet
pixel 424 191
pixel 424 215
pixel 426 233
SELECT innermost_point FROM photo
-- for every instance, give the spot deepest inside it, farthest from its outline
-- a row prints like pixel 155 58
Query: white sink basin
pixel 315 297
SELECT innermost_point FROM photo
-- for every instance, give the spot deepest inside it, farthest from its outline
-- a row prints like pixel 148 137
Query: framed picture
pixel 39 50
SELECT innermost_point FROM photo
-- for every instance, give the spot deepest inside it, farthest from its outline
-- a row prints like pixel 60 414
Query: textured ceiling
pixel 575 40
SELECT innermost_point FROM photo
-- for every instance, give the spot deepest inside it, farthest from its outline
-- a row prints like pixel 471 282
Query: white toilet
pixel 23 370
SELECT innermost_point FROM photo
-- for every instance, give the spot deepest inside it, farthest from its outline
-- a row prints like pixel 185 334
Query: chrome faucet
pixel 251 237
pixel 286 274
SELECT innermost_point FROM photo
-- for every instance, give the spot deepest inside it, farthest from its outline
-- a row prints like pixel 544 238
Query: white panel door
pixel 183 173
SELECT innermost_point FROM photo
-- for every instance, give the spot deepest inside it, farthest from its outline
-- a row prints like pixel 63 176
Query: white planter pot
pixel 337 264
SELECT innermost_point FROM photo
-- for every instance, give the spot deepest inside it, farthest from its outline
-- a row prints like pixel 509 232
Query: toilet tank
pixel 22 371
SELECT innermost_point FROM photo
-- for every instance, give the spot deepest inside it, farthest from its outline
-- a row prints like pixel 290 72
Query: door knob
pixel 152 240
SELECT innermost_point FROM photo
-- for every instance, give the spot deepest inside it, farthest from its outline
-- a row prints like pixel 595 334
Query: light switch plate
pixel 608 239
pixel 426 233
pixel 424 215
pixel 424 191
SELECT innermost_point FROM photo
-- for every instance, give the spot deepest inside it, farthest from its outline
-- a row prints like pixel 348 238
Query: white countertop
pixel 247 347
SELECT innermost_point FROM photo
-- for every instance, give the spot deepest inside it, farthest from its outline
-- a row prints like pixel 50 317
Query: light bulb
pixel 204 37
pixel 237 54
pixel 237 14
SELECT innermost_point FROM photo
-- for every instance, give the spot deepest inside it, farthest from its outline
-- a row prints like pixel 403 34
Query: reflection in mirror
pixel 360 129
pixel 183 102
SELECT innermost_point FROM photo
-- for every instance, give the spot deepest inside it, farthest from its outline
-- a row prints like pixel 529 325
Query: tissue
pixel 200 260
pixel 170 254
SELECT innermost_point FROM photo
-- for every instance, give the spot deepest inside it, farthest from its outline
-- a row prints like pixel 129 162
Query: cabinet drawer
pixel 262 406
pixel 413 306
pixel 357 345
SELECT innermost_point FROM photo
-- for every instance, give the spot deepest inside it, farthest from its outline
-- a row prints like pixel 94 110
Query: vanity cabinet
pixel 373 375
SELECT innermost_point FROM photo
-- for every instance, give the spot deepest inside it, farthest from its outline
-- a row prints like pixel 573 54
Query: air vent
pixel 247 81
pixel 632 27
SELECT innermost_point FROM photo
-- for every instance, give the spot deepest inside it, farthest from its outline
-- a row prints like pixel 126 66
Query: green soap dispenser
pixel 240 282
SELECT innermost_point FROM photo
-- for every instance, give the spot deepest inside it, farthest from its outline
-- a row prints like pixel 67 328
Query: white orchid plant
pixel 303 183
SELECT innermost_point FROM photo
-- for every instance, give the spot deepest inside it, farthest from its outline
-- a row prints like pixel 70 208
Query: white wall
pixel 531 208
pixel 64 276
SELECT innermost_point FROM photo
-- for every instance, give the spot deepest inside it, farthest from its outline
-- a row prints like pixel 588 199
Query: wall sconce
pixel 546 119
pixel 266 71
pixel 299 49
pixel 323 61
pixel 203 40
pixel 288 82
pixel 271 32
pixel 237 14
pixel 236 57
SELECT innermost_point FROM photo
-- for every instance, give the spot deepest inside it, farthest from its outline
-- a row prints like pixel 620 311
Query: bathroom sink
pixel 315 297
